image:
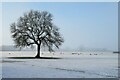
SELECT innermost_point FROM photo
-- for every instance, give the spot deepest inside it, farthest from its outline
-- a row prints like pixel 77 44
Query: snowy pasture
pixel 70 65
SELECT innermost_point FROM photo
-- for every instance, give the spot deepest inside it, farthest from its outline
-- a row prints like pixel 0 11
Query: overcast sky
pixel 89 24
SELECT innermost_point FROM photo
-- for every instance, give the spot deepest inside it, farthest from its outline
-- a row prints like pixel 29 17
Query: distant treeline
pixel 12 48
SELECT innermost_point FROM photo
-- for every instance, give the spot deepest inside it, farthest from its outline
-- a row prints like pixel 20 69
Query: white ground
pixel 0 66
pixel 102 65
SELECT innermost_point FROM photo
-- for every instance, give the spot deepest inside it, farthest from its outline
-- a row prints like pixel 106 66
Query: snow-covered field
pixel 0 66
pixel 80 65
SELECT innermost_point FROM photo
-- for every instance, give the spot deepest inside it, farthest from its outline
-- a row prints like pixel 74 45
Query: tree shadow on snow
pixel 33 58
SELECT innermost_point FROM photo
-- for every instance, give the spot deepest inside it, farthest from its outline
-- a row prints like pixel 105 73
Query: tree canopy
pixel 37 28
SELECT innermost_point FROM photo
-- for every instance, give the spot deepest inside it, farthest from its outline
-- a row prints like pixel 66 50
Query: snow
pixel 0 65
pixel 84 65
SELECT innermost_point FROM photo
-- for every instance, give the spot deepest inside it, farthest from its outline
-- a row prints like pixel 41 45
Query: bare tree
pixel 37 28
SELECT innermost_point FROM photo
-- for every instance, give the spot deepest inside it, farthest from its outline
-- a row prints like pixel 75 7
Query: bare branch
pixel 36 27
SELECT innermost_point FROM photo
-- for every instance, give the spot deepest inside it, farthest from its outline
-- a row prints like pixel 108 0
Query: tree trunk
pixel 38 51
